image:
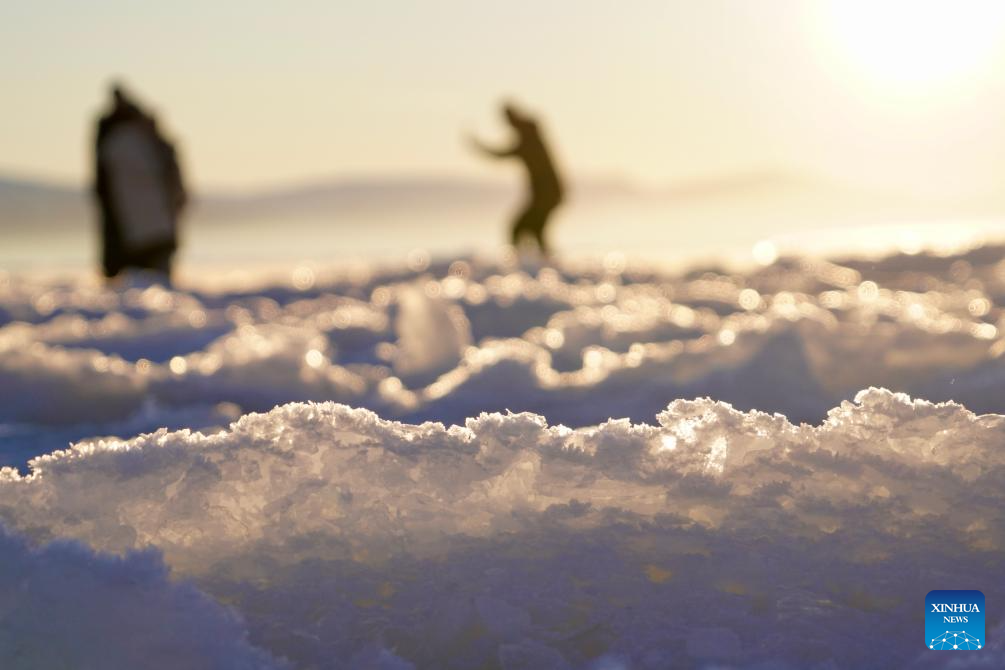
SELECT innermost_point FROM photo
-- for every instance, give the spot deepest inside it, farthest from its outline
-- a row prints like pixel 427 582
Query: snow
pixel 66 607
pixel 475 463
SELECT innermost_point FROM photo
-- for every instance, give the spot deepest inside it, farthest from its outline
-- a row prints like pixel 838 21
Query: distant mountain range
pixel 28 204
pixel 44 225
pixel 33 205
pixel 769 201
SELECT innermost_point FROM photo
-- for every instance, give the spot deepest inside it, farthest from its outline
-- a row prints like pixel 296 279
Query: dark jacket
pixel 116 254
pixel 545 184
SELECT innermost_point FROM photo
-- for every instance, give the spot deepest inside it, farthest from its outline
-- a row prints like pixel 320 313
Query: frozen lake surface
pixel 481 463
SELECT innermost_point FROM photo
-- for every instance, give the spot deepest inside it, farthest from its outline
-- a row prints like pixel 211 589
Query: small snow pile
pixel 715 538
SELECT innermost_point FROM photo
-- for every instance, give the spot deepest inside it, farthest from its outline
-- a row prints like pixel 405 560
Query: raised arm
pixel 492 152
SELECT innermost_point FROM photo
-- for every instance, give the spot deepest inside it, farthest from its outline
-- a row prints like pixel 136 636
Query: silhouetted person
pixel 139 188
pixel 544 184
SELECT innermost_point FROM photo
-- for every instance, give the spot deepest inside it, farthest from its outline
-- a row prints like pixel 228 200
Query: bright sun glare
pixel 917 42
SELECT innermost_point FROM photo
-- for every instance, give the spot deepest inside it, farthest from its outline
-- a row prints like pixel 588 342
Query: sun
pixel 916 42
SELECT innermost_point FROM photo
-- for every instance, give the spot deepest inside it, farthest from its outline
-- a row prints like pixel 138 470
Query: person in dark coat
pixel 545 190
pixel 139 188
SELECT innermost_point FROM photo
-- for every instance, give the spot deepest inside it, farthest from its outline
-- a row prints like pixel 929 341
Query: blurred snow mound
pixel 432 336
pixel 63 606
pixel 714 538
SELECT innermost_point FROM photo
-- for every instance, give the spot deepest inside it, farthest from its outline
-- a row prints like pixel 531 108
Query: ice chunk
pixel 432 336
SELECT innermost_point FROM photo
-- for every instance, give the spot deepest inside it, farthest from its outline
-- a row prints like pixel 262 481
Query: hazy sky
pixel 908 95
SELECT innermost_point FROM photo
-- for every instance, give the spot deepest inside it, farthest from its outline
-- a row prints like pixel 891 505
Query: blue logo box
pixel 954 620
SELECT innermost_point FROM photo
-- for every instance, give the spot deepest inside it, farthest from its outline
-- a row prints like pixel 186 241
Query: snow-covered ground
pixel 484 464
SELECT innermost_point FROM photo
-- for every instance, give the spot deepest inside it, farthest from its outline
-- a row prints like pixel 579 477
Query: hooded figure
pixel 545 191
pixel 139 189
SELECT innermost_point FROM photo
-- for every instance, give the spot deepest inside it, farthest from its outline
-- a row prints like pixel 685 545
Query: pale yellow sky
pixel 894 94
